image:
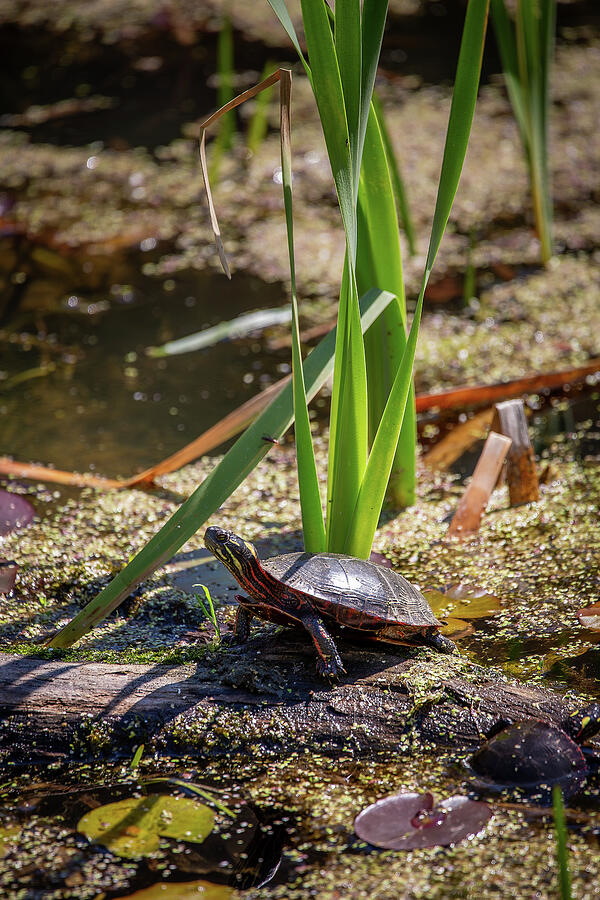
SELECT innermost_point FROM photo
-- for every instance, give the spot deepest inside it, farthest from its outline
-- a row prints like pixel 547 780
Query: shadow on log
pixel 264 698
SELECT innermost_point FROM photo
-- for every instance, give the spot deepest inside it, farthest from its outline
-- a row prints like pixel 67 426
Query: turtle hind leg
pixel 329 664
pixel 439 642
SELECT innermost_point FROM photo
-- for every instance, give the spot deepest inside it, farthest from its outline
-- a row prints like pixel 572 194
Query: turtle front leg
pixel 329 664
pixel 243 617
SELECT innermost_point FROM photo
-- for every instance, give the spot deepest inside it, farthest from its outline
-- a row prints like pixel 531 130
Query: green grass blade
pixel 562 851
pixel 370 499
pixel 137 757
pixel 379 262
pixel 363 522
pixel 373 24
pixel 397 181
pixel 348 49
pixel 241 459
pixel 329 94
pixel 533 42
pixel 313 526
pixel 348 433
pixel 348 438
pixel 281 11
pixel 507 47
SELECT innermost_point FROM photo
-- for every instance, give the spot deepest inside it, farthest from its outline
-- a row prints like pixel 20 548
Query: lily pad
pixel 380 559
pixel 133 827
pixel 9 839
pixel 15 512
pixel 182 890
pixel 407 820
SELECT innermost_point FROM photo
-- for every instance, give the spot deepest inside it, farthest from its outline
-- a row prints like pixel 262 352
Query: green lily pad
pixel 9 838
pixel 133 827
pixel 183 890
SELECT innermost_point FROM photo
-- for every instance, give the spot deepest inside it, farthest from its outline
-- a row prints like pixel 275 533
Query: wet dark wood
pixel 521 476
pixel 264 697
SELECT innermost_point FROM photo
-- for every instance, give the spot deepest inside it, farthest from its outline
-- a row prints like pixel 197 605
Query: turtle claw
pixel 330 667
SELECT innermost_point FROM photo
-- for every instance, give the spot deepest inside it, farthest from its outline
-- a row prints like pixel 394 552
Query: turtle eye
pixel 220 536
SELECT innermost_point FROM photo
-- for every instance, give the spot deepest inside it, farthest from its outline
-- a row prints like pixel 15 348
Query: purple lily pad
pixel 380 559
pixel 8 574
pixel 407 821
pixel 15 512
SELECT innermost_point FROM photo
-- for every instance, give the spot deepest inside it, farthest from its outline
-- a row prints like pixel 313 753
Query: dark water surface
pixel 88 396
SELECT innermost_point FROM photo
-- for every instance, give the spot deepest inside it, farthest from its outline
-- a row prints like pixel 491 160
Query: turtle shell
pixel 529 754
pixel 354 592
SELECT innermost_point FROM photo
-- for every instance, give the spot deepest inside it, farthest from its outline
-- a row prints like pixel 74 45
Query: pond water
pixel 281 829
pixel 78 391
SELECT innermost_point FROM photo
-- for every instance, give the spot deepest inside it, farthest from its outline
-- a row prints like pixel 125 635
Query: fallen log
pixel 262 698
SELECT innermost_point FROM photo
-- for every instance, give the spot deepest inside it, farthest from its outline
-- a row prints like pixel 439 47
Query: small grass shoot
pixel 137 756
pixel 208 609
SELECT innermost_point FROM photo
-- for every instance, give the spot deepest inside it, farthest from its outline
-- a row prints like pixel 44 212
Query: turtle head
pixel 583 724
pixel 234 552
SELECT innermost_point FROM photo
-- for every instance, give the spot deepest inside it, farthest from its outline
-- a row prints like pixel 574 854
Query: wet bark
pixel 264 696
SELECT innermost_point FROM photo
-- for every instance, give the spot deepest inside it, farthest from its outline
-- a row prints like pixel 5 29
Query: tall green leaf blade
pixel 313 527
pixel 241 459
pixel 507 46
pixel 281 11
pixel 370 499
pixel 379 262
pixel 348 438
pixel 373 24
pixel 348 49
pixel 397 180
pixel 329 94
pixel 348 435
pixel 365 518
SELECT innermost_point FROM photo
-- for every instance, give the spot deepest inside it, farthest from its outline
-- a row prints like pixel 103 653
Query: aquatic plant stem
pixel 562 851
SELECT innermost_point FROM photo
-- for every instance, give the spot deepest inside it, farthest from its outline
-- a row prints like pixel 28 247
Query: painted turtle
pixel 305 588
pixel 533 755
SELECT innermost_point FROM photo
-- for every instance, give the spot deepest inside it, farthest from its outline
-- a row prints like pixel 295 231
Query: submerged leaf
pixel 133 827
pixel 463 601
pixel 241 326
pixel 406 821
pixel 15 512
